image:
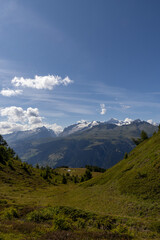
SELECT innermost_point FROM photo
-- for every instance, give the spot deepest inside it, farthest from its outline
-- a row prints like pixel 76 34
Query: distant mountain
pixel 31 135
pixel 120 122
pixel 80 126
pixel 101 144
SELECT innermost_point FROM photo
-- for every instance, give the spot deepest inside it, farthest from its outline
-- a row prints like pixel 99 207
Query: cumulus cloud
pixel 152 122
pixel 41 82
pixel 17 114
pixel 9 92
pixel 56 128
pixel 19 119
pixel 103 109
pixel 14 114
pixel 8 127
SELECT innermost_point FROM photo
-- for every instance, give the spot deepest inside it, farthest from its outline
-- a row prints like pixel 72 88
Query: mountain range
pixel 95 143
pixel 121 203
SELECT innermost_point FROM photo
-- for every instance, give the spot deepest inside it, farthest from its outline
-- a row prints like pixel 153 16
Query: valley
pixel 97 144
pixel 121 203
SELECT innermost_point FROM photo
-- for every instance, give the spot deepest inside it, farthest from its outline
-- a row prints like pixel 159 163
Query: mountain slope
pixel 138 174
pixel 30 135
pixel 102 145
pixel 126 200
pixel 14 172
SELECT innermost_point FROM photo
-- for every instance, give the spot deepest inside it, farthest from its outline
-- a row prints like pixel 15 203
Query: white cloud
pixel 8 127
pixel 19 119
pixel 9 92
pixel 103 109
pixel 41 82
pixel 152 122
pixel 14 114
pixel 125 106
pixel 56 128
pixel 17 114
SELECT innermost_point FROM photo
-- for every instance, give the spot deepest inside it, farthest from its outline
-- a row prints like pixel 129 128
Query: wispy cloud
pixel 9 92
pixel 41 82
pixel 125 106
pixel 103 109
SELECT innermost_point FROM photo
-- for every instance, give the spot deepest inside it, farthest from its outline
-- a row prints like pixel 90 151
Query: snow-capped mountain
pixel 79 126
pixel 85 125
pixel 117 122
pixel 37 133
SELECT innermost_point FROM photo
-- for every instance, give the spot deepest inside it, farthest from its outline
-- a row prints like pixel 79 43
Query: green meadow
pixel 44 203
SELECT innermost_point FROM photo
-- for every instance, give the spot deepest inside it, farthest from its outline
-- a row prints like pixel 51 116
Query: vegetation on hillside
pixel 45 203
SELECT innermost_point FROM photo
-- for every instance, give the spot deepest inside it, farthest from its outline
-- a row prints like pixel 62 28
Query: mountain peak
pixel 117 122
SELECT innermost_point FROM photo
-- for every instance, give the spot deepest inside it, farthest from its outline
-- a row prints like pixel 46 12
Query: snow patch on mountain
pixel 117 122
pixel 79 126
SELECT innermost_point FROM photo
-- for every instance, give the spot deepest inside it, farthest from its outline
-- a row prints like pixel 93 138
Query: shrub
pixel 26 167
pixel 95 168
pixel 80 223
pixel 62 223
pixel 122 229
pixel 10 213
pixel 143 137
pixel 10 164
pixel 87 175
pixel 41 215
pixel 64 179
pixel 105 223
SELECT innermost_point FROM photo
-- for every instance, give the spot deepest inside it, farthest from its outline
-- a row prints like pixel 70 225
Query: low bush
pixel 41 215
pixel 9 213
pixel 62 223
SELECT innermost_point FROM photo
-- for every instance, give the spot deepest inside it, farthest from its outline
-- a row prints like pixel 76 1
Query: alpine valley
pixel 101 144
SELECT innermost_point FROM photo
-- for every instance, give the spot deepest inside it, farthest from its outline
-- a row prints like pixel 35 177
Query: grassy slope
pixel 129 191
pixel 133 183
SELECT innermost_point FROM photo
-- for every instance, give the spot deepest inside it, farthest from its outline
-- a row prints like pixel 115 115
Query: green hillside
pixel 122 203
pixel 139 173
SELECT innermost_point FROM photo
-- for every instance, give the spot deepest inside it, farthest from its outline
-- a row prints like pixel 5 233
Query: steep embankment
pixel 130 188
pixel 139 173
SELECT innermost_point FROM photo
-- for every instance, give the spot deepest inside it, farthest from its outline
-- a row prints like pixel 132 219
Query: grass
pixel 122 203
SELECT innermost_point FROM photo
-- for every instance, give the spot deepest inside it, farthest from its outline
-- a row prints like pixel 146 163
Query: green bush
pixel 10 213
pixel 10 164
pixel 105 223
pixel 122 229
pixel 80 223
pixel 41 215
pixel 27 168
pixel 62 223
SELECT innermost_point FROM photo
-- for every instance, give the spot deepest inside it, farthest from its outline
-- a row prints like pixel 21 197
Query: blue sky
pixel 94 60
